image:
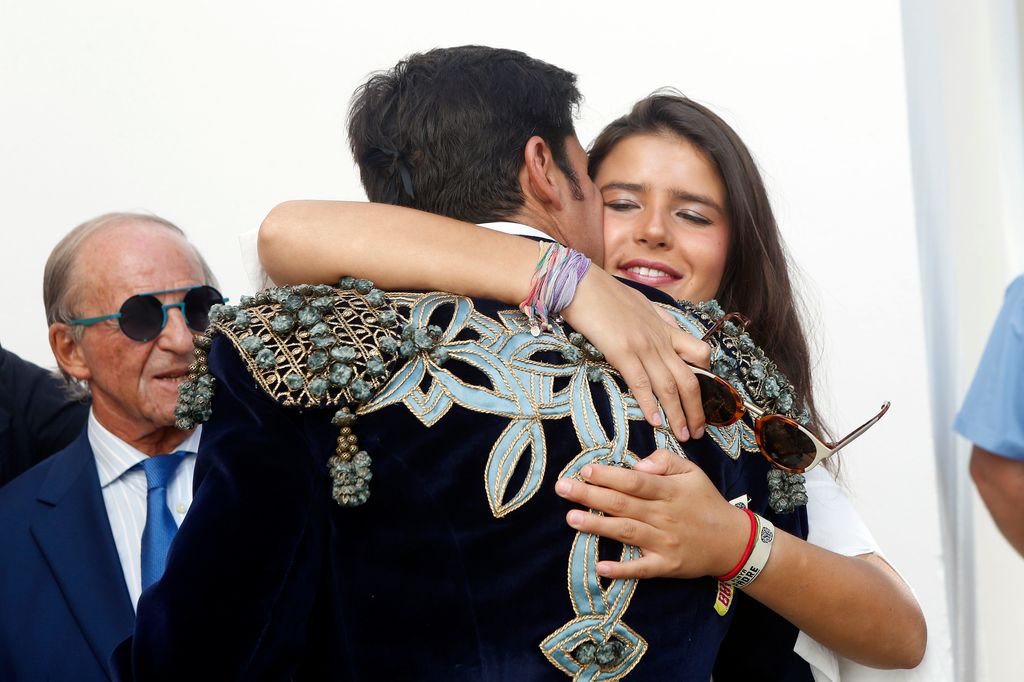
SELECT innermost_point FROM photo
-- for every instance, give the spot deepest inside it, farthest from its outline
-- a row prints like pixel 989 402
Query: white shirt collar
pixel 519 229
pixel 114 456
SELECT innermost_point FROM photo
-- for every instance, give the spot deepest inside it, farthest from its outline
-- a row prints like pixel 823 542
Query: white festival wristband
pixel 758 556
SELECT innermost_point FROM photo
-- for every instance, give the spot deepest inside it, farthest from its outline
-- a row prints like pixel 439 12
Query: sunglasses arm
pixel 730 317
pixel 839 445
pixel 89 321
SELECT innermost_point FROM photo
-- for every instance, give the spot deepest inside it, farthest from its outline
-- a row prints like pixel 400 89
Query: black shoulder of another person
pixel 37 415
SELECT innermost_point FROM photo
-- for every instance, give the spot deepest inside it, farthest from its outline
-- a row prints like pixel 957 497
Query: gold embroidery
pixel 734 439
pixel 350 322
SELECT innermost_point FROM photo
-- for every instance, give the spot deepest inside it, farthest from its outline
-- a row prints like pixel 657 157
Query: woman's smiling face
pixel 665 221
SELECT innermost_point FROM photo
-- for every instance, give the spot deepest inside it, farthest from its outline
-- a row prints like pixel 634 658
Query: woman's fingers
pixel 664 463
pixel 653 543
pixel 647 566
pixel 670 509
pixel 626 531
pixel 628 481
pixel 687 349
pixel 668 383
pixel 602 499
pixel 637 378
pixel 688 395
pixel 649 352
pixel 672 380
pixel 687 346
pixel 661 374
pixel 655 377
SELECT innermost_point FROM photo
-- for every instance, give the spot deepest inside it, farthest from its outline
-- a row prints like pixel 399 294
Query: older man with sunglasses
pixel 90 527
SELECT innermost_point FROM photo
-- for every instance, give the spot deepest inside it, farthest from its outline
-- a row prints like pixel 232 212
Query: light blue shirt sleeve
pixel 992 416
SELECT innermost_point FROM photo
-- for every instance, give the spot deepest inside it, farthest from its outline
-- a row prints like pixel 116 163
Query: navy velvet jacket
pixel 460 566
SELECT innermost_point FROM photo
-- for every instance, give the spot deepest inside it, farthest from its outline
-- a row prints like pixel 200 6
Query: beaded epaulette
pixel 309 346
pixel 739 360
pixel 747 367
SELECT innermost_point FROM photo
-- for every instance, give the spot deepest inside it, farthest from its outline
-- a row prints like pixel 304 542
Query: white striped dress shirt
pixel 124 494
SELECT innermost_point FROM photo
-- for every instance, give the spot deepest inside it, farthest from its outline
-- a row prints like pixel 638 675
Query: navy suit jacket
pixel 63 602
pixel 269 579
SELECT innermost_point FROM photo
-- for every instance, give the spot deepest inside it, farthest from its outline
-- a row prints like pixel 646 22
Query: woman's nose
pixel 651 229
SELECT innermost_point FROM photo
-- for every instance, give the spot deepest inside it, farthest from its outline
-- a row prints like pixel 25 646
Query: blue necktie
pixel 160 526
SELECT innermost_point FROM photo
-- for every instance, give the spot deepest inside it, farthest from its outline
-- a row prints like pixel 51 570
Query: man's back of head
pixel 444 130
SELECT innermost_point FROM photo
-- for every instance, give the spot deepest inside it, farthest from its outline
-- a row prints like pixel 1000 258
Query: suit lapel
pixel 73 532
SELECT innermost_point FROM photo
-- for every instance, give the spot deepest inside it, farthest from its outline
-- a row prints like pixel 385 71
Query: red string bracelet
pixel 746 553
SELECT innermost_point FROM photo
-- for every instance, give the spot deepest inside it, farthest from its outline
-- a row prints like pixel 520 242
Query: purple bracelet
pixel 553 286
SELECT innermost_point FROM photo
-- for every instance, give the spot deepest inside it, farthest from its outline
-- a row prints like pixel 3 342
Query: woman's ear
pixel 67 350
pixel 540 169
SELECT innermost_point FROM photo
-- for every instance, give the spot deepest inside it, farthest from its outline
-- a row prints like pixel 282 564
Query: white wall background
pixel 210 113
pixel 964 72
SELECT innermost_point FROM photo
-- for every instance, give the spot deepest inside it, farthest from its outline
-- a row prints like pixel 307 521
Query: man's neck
pixel 537 221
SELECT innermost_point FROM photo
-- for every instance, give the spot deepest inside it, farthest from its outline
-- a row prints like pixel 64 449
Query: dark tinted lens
pixel 786 444
pixel 142 317
pixel 721 403
pixel 197 307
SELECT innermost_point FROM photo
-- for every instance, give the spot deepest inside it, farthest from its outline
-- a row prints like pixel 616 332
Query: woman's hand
pixel 685 529
pixel 648 351
pixel 668 508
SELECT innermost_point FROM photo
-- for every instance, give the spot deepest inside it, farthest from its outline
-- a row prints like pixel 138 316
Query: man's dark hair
pixel 444 131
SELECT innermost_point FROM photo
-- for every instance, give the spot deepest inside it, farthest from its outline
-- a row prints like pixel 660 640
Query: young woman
pixel 685 211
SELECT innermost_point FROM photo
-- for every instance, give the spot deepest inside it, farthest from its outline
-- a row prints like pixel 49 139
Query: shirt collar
pixel 519 229
pixel 114 456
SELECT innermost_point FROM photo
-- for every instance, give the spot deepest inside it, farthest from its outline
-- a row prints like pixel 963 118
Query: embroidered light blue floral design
pixel 596 644
pixel 521 389
pixel 734 439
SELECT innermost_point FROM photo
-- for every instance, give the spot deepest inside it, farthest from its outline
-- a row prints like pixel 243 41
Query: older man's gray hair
pixel 61 281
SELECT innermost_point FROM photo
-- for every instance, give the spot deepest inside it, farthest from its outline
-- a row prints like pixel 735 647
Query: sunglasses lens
pixel 197 307
pixel 720 402
pixel 142 317
pixel 786 444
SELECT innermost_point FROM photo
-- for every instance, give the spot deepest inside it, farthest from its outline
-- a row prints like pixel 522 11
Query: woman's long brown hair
pixel 756 281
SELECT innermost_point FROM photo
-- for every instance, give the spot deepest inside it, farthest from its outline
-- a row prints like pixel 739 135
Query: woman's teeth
pixel 647 272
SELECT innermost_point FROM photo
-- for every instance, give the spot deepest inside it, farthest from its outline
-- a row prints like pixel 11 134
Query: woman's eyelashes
pixel 622 206
pixel 693 217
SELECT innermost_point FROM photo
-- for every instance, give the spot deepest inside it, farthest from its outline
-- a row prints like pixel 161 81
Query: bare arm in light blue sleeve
pixel 992 417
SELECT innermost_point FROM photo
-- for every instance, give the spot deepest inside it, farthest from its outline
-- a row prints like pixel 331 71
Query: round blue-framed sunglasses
pixel 142 317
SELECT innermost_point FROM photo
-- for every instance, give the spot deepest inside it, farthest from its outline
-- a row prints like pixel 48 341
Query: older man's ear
pixel 68 351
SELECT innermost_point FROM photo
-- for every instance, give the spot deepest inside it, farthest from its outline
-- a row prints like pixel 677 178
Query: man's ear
pixel 68 351
pixel 541 172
